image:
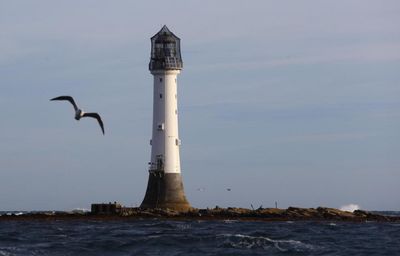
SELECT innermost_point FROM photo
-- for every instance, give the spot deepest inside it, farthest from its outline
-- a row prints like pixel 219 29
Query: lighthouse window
pixel 160 127
pixel 158 49
pixel 160 95
pixel 160 79
pixel 169 50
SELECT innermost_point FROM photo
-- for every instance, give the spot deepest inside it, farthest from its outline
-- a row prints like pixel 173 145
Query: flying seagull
pixel 79 112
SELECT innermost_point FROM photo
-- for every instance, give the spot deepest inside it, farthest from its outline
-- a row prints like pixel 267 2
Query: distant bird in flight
pixel 79 112
pixel 228 189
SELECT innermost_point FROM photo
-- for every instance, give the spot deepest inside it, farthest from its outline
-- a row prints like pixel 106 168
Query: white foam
pixel 4 253
pixel 230 221
pixel 246 241
pixel 183 226
pixel 80 210
pixel 349 207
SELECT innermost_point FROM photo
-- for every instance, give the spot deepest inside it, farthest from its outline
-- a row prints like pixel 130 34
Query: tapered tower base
pixel 165 190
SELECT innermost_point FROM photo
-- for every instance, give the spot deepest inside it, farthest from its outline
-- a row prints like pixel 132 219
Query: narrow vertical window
pixel 160 79
pixel 160 95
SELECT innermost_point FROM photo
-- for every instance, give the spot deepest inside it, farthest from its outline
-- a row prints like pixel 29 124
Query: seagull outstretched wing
pixel 68 98
pixel 97 116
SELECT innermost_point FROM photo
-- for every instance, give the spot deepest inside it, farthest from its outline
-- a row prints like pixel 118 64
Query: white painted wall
pixel 165 137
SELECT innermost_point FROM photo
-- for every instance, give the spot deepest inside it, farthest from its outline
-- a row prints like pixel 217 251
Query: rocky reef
pixel 264 214
pixel 217 213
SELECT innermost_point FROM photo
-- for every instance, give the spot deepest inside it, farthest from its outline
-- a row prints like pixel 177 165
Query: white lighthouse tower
pixel 165 187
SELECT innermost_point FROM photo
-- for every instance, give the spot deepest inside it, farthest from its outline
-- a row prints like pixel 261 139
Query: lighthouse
pixel 165 187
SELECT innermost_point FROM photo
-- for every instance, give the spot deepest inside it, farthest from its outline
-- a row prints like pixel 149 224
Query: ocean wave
pixel 4 253
pixel 230 221
pixel 183 226
pixel 146 237
pixel 12 251
pixel 266 243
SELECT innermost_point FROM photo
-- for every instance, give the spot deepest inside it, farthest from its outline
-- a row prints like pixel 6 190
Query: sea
pixel 194 237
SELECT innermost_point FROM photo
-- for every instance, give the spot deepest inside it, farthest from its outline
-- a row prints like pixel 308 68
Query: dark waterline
pixel 161 237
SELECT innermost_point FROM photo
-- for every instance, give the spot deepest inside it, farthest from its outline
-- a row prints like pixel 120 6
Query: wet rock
pixel 218 213
pixel 334 214
pixel 235 212
pixel 360 213
pixel 301 213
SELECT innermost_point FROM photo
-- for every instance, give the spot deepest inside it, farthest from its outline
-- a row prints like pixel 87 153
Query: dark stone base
pixel 165 191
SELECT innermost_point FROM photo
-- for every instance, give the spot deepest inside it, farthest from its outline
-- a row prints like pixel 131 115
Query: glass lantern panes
pixel 165 51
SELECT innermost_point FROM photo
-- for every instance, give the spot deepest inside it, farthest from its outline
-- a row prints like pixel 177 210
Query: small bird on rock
pixel 79 113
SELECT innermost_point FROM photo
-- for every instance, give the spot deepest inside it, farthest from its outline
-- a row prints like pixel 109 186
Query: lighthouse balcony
pixel 168 63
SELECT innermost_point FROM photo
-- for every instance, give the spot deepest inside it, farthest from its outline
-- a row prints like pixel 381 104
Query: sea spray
pixel 350 207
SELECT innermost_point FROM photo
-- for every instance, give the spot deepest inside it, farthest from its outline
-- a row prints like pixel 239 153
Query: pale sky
pixel 290 101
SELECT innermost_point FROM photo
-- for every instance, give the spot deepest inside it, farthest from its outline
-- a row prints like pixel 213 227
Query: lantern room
pixel 165 51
